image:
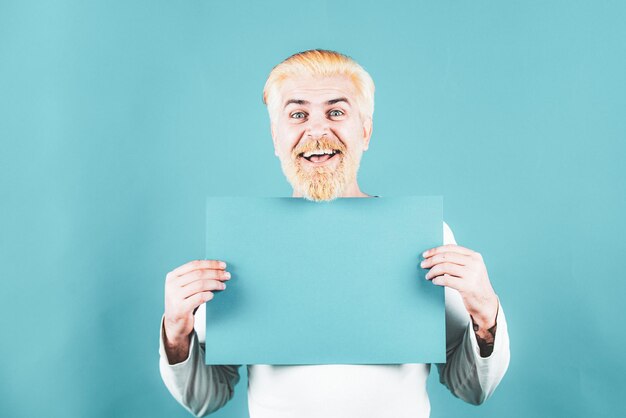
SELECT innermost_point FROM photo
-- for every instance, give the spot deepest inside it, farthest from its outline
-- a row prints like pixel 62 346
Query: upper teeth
pixel 318 152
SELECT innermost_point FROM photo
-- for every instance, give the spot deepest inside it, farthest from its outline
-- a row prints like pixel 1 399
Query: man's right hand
pixel 186 288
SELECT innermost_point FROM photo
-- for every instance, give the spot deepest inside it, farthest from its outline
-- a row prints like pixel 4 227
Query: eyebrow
pixel 305 102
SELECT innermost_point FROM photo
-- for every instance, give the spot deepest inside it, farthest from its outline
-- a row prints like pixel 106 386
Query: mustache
pixel 318 143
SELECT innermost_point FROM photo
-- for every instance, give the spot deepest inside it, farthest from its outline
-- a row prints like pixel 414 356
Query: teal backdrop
pixel 118 118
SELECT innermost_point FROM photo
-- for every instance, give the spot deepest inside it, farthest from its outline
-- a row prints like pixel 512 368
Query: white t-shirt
pixel 338 390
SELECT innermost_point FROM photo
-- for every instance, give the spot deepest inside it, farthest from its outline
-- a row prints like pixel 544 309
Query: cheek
pixel 287 140
pixel 284 146
pixel 352 136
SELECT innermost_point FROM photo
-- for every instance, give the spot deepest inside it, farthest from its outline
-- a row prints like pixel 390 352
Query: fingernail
pixel 222 264
pixel 423 263
pixel 223 286
pixel 425 253
pixel 227 275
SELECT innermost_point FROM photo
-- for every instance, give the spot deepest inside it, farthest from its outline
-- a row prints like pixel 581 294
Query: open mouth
pixel 319 156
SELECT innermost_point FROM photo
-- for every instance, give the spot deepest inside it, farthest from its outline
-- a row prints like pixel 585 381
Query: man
pixel 321 105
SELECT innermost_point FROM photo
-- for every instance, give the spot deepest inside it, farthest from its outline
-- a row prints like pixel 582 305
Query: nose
pixel 318 125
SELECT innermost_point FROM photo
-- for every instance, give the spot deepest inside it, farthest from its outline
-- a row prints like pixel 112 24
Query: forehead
pixel 317 89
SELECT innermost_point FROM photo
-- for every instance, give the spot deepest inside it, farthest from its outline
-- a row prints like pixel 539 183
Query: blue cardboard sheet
pixel 334 282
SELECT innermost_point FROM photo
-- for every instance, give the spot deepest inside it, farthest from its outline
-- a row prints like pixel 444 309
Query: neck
pixel 352 191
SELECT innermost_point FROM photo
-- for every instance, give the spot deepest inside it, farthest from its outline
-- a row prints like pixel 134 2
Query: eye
pixel 298 115
pixel 336 112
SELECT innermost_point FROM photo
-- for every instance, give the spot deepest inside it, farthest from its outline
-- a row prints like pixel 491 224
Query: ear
pixel 273 132
pixel 367 132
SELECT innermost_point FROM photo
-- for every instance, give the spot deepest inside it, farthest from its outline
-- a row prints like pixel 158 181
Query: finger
pixel 448 248
pixel 446 257
pixel 449 281
pixel 194 275
pixel 195 265
pixel 200 286
pixel 196 300
pixel 446 268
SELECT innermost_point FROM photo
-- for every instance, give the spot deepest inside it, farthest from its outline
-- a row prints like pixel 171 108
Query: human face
pixel 320 135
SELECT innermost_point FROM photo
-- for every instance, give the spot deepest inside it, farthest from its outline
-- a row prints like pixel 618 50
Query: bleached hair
pixel 319 63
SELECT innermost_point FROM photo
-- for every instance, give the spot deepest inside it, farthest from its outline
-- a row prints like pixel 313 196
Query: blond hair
pixel 320 63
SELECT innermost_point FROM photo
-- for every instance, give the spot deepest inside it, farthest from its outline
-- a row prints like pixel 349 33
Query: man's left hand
pixel 464 270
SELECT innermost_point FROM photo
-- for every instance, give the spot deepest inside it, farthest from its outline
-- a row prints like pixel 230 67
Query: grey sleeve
pixel 200 388
pixel 465 373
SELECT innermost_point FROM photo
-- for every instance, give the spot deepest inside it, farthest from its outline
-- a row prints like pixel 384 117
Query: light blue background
pixel 117 118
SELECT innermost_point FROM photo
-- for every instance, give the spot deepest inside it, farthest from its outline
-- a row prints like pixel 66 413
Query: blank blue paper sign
pixel 325 282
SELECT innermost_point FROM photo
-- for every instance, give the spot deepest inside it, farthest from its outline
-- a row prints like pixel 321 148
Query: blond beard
pixel 320 183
